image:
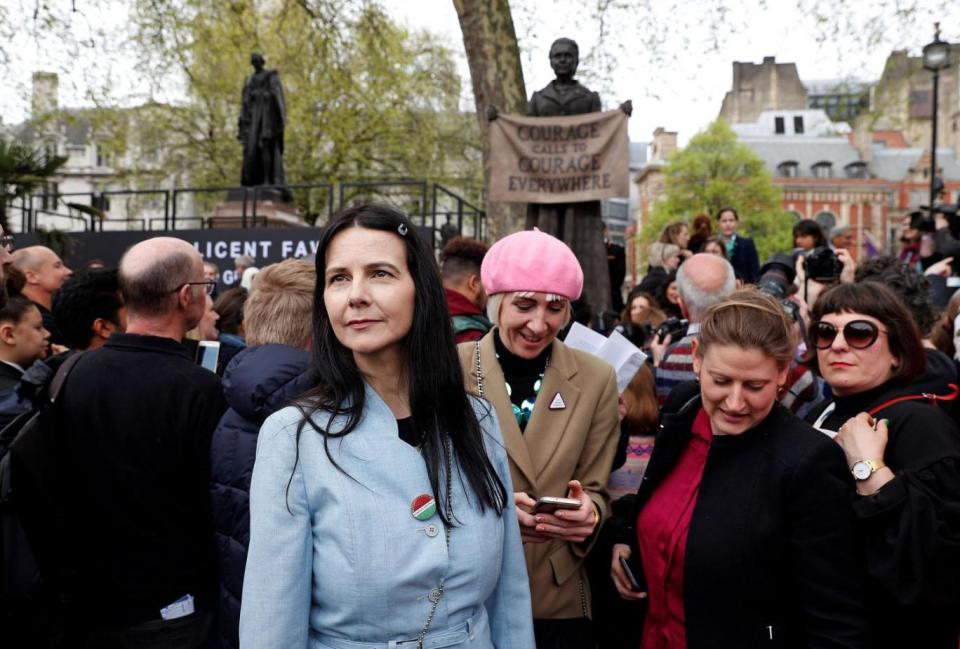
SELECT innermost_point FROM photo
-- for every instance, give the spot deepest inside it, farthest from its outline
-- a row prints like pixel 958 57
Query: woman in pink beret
pixel 557 408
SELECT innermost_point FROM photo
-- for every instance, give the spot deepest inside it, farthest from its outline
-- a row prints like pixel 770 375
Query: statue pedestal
pixel 270 214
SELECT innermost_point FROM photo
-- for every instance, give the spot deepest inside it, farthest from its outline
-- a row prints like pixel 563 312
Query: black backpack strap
pixel 61 376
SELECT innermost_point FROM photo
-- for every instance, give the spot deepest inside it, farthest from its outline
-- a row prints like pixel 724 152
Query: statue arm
pixel 243 121
pixel 277 89
pixel 595 106
pixel 532 105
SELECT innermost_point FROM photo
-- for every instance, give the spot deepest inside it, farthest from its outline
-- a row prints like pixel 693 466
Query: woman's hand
pixel 575 525
pixel 941 268
pixel 864 438
pixel 620 580
pixel 848 273
pixel 528 533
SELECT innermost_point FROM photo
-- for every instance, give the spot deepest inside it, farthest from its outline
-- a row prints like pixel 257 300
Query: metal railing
pixel 296 204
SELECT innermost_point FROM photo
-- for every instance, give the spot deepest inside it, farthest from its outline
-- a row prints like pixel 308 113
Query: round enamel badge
pixel 423 507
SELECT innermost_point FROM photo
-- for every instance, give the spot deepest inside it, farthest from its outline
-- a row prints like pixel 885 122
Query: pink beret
pixel 531 261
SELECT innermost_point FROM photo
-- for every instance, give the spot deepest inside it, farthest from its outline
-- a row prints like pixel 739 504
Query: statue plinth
pixel 275 194
pixel 270 213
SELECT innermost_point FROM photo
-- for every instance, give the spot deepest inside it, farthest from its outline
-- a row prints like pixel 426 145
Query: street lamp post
pixel 936 57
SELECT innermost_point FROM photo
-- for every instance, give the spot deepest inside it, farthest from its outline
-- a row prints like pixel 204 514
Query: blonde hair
pixel 280 306
pixel 660 252
pixel 750 319
pixel 495 300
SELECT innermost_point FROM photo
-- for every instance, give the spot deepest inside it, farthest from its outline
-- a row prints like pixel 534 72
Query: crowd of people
pixel 398 449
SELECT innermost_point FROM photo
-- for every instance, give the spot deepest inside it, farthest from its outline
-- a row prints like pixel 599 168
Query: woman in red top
pixel 743 521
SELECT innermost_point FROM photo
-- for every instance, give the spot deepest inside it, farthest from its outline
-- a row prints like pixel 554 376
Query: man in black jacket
pixel 134 424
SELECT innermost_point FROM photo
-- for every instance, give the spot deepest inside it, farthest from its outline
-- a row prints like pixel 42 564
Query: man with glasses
pixel 702 280
pixel 135 421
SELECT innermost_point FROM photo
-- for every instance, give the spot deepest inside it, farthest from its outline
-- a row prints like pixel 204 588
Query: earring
pixel 402 229
pixel 781 390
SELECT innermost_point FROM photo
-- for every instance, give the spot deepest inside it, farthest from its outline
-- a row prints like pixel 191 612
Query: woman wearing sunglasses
pixel 741 534
pixel 904 454
pixel 557 408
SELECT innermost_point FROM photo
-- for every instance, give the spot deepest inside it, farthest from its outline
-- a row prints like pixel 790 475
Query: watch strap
pixel 875 465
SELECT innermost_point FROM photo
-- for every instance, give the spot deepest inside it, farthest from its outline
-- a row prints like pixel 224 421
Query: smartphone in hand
pixel 633 580
pixel 550 504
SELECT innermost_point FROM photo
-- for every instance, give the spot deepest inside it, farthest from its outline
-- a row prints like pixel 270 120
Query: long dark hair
pixel 440 408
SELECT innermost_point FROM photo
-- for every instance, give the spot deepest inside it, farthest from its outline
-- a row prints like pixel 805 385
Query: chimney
pixel 45 91
pixel 664 143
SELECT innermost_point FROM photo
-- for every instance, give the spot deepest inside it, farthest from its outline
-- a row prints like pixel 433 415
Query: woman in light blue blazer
pixel 379 516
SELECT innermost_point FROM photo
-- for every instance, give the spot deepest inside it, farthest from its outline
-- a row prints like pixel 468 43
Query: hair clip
pixel 402 229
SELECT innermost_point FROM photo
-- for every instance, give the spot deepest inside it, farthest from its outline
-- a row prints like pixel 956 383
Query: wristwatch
pixel 863 469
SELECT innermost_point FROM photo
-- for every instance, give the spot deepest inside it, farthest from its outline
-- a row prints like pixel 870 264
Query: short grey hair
pixel 839 231
pixel 150 291
pixel 695 298
pixel 244 260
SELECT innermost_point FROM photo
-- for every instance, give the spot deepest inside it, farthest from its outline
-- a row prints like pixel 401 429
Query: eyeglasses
pixel 859 334
pixel 6 242
pixel 208 286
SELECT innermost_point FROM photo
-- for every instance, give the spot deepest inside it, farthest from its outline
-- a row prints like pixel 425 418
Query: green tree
pixel 366 99
pixel 716 171
pixel 22 169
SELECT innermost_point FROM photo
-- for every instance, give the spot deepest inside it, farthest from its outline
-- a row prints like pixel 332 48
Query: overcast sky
pixel 684 95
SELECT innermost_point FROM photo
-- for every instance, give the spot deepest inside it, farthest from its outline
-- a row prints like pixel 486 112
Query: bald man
pixel 136 417
pixel 45 273
pixel 702 281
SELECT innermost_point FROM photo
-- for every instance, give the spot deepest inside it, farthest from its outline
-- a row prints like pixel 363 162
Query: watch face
pixel 861 470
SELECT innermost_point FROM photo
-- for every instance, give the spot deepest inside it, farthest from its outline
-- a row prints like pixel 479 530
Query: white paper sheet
pixel 625 357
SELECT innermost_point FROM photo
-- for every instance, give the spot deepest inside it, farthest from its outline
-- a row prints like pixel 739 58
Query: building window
pixel 921 104
pixel 827 222
pixel 856 170
pixel 822 170
pixel 778 126
pixel 797 216
pixel 798 124
pixel 788 169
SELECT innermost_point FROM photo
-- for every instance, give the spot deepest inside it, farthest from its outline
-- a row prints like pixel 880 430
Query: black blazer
pixel 910 529
pixel 745 261
pixel 771 548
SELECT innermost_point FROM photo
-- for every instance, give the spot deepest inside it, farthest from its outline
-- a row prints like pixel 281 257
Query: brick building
pixel 867 174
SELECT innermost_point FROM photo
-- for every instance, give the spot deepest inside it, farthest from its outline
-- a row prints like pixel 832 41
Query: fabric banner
pixel 568 159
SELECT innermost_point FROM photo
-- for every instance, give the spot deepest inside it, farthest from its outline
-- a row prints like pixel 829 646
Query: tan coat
pixel 575 442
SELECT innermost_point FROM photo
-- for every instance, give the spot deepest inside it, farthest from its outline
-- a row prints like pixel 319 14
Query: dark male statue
pixel 261 123
pixel 578 224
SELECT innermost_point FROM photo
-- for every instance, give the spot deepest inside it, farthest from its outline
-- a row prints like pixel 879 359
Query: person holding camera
pixel 558 409
pixel 822 267
pixel 702 280
pixel 740 534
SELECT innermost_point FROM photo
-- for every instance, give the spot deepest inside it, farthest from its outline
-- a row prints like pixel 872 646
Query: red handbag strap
pixel 924 396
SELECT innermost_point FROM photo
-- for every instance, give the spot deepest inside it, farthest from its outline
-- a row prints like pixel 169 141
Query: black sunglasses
pixel 859 334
